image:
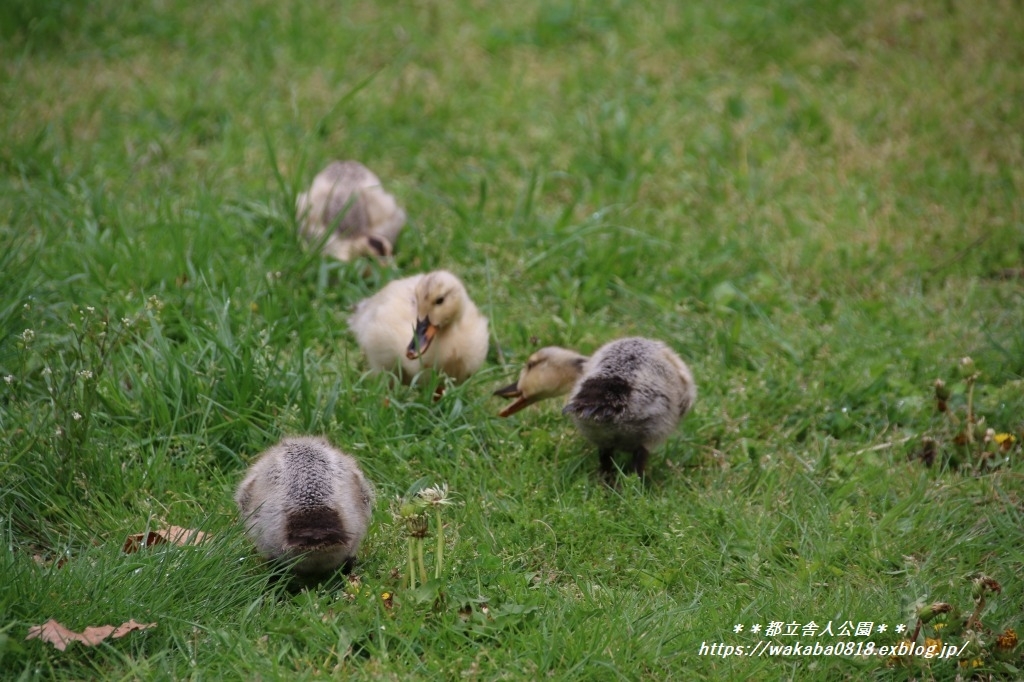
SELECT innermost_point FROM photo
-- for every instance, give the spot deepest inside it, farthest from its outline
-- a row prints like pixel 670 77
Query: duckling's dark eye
pixel 439 300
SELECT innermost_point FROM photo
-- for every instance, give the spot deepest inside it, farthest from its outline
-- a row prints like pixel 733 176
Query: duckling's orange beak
pixel 512 391
pixel 421 338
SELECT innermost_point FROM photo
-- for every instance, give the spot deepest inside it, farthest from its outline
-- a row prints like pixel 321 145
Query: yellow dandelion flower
pixel 1004 440
pixel 933 646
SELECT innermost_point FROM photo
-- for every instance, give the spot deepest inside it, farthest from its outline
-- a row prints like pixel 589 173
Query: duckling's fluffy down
pixel 631 397
pixel 303 497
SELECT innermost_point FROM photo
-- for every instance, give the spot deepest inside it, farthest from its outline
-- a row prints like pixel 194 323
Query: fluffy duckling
pixel 550 372
pixel 303 497
pixel 631 397
pixel 347 200
pixel 423 322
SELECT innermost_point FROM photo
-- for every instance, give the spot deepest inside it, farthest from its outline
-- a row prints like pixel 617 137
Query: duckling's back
pixel 383 325
pixel 633 394
pixel 311 476
pixel 348 198
pixel 304 497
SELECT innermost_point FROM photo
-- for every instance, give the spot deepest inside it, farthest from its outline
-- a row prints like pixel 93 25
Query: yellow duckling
pixel 423 322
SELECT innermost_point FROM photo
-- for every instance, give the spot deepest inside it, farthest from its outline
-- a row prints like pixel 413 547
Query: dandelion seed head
pixel 436 495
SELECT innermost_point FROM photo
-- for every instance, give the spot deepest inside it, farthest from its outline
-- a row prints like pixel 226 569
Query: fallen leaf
pixel 59 636
pixel 176 535
pixel 124 628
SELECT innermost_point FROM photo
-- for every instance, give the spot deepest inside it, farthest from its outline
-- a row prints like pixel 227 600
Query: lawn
pixel 819 205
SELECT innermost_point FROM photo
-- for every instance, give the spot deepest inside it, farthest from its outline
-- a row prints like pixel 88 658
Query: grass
pixel 817 204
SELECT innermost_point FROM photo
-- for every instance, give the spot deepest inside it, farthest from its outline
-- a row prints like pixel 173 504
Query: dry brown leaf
pixel 176 535
pixel 59 636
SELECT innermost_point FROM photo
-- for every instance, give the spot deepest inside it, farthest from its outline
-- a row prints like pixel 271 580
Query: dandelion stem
pixel 439 556
pixel 970 407
pixel 423 565
pixel 412 566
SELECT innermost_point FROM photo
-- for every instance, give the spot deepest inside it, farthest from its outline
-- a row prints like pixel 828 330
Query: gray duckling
pixel 305 498
pixel 629 396
pixel 348 201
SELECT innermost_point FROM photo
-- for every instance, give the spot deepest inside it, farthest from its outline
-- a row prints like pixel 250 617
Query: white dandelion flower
pixel 436 495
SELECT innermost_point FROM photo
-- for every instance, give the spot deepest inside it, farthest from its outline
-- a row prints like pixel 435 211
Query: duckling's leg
pixel 607 464
pixel 640 460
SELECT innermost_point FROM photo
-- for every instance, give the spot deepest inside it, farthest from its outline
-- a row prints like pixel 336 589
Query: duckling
pixel 347 200
pixel 631 397
pixel 423 322
pixel 303 497
pixel 550 372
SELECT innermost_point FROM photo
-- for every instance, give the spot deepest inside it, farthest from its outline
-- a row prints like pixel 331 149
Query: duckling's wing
pixel 601 399
pixel 469 344
pixel 386 218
